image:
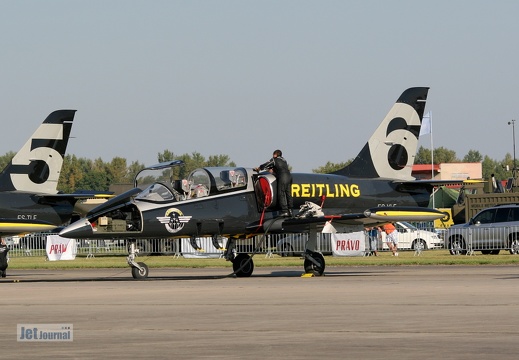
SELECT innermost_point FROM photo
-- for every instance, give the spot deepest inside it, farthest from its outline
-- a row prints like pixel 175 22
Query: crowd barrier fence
pixel 269 245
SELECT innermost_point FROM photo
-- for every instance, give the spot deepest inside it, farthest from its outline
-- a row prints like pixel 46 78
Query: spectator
pixel 3 258
pixel 391 237
pixel 373 236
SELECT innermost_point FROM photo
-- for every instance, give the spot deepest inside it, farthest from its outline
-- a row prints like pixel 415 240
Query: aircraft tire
pixel 140 274
pixel 243 265
pixel 311 268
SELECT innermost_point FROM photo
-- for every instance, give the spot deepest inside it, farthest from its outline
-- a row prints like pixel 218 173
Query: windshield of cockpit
pixel 149 176
pixel 157 181
pixel 156 192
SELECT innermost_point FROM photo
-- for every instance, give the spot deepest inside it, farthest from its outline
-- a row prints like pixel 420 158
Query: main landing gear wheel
pixel 140 274
pixel 243 265
pixel 314 263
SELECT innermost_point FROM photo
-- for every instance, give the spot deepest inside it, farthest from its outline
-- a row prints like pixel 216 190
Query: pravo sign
pixel 59 248
pixel 348 244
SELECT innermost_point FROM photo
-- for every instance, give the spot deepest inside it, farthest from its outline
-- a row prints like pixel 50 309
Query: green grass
pixel 431 257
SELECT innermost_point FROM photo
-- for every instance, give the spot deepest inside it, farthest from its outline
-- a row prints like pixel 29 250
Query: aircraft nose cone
pixel 79 229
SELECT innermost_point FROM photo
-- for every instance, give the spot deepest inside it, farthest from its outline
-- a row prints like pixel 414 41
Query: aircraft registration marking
pixel 27 217
pixel 328 190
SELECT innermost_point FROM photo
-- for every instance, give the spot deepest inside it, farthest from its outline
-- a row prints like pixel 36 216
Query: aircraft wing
pixel 434 182
pixel 83 201
pixel 73 197
pixel 78 195
pixel 370 217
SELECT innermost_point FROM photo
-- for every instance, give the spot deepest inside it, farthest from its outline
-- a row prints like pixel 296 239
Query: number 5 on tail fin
pixel 37 166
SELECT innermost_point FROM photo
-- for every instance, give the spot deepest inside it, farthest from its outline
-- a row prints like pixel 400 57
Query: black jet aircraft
pixel 29 199
pixel 238 203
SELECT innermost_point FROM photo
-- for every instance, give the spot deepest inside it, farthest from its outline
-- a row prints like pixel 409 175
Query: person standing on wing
pixel 279 167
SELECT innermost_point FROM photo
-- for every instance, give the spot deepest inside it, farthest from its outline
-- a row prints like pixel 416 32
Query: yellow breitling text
pixel 328 190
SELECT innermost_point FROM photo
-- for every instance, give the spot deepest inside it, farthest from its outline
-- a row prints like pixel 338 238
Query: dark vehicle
pixel 476 195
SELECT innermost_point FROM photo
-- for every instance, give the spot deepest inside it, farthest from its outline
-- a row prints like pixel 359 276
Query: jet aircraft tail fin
pixel 391 150
pixel 37 166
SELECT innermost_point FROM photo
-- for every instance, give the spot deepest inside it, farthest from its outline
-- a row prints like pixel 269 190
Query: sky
pixel 243 78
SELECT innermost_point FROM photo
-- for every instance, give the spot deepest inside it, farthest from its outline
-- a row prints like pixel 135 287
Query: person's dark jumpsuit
pixel 3 259
pixel 284 181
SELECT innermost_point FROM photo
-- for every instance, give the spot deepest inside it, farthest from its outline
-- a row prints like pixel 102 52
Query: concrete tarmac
pixel 401 312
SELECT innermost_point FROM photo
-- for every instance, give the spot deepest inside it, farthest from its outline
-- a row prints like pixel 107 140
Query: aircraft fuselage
pixel 26 212
pixel 231 211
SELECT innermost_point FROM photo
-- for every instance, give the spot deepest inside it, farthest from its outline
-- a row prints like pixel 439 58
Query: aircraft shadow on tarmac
pixel 57 277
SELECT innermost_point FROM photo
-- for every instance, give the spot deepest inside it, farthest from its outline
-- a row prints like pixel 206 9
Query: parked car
pixel 12 241
pixel 489 231
pixel 410 237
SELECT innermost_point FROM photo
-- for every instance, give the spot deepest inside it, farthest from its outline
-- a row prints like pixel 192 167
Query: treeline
pixel 88 174
pixel 501 169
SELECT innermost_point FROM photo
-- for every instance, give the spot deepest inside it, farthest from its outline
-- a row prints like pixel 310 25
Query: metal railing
pixel 484 239
pixel 279 244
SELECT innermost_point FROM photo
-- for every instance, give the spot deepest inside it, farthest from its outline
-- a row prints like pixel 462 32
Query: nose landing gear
pixel 139 269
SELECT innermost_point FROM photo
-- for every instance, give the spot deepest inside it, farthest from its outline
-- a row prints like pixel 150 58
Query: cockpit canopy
pixel 164 182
